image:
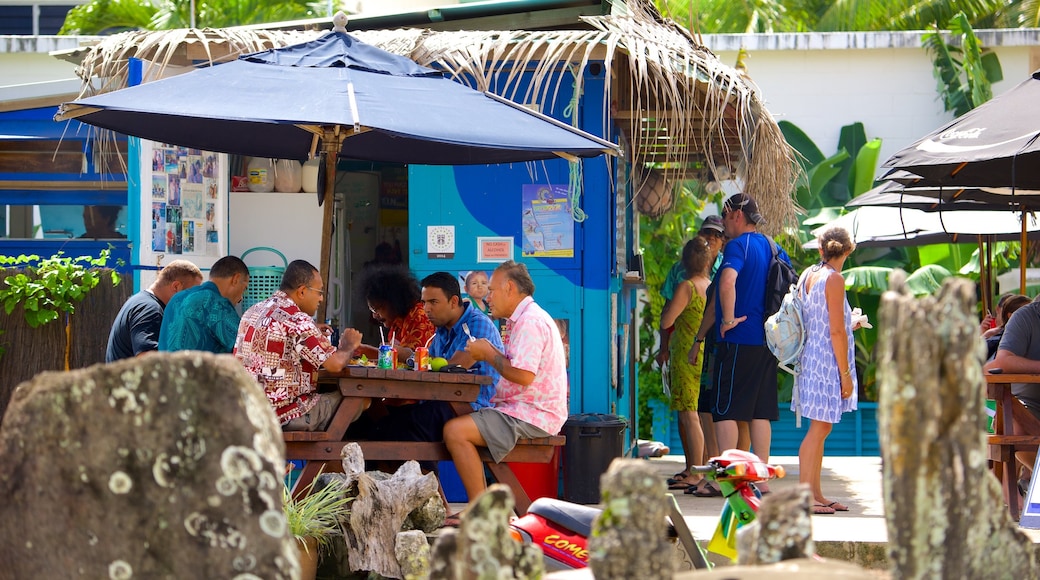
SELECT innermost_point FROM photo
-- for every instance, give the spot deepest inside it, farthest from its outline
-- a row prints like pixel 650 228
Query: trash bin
pixel 593 441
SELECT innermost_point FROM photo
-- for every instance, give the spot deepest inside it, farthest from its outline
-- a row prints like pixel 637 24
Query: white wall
pixel 821 82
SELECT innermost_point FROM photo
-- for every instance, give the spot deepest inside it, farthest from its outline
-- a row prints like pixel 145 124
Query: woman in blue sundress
pixel 827 384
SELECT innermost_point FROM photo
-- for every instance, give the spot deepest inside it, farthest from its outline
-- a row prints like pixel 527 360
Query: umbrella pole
pixel 984 275
pixel 330 145
pixel 1022 256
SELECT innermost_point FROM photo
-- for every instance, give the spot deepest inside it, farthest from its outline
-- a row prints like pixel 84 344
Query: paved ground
pixel 854 481
pixel 858 535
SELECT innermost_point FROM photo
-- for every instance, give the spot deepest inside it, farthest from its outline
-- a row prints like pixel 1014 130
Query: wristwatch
pixel 698 339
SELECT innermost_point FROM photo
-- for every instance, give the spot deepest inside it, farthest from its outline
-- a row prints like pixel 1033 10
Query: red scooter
pixel 561 529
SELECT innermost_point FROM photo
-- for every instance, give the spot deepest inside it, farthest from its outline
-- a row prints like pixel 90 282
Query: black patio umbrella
pixel 994 145
pixel 990 217
pixel 339 96
pixel 930 199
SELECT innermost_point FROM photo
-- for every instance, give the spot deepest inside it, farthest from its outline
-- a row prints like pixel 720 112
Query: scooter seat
pixel 574 517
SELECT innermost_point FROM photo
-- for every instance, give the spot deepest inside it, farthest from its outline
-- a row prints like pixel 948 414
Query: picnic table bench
pixel 1004 441
pixel 320 450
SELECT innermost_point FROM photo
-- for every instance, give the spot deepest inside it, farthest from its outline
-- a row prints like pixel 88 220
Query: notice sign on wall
pixel 440 242
pixel 494 249
pixel 547 221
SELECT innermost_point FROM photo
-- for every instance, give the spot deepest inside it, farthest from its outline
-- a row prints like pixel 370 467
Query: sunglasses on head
pixel 731 206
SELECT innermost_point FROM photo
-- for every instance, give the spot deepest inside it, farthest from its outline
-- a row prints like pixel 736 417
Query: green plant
pixel 52 286
pixel 317 513
pixel 966 73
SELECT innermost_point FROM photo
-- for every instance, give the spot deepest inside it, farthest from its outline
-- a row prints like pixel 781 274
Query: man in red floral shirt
pixel 280 344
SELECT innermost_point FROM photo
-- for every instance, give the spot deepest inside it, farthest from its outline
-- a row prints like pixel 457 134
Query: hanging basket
pixel 654 197
pixel 263 280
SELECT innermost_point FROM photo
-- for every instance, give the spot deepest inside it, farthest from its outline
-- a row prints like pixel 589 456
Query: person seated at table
pixel 1005 310
pixel 1019 353
pixel 393 297
pixel 204 317
pixel 992 323
pixel 531 396
pixel 135 330
pixel 281 346
pixel 448 311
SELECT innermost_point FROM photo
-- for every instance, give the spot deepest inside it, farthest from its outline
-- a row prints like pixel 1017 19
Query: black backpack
pixel 778 280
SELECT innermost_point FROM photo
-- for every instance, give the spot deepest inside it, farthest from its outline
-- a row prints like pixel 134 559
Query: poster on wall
pixel 474 285
pixel 547 221
pixel 186 215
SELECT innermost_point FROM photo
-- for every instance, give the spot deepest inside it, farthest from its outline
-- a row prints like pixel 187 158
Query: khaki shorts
pixel 318 418
pixel 501 431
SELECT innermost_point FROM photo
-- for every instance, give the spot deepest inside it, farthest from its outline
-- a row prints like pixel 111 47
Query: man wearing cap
pixel 745 386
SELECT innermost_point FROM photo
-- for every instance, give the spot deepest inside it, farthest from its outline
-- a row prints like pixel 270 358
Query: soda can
pixel 422 358
pixel 386 357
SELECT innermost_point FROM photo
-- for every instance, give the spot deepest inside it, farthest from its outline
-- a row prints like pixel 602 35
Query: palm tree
pixel 108 16
pixel 726 16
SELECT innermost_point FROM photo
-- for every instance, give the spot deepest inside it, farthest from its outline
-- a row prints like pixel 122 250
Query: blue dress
pixel 818 385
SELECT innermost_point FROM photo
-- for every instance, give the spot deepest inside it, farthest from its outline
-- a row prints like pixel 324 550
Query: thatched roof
pixel 679 109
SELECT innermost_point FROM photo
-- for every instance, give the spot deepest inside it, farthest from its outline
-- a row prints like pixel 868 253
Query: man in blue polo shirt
pixel 424 421
pixel 745 386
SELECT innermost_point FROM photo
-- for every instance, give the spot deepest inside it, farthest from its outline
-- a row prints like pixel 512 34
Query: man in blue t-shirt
pixel 135 330
pixel 444 306
pixel 745 387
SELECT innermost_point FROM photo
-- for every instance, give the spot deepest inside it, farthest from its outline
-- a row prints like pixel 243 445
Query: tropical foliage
pixel 316 513
pixel 964 73
pixel 51 286
pixel 108 16
pixel 726 16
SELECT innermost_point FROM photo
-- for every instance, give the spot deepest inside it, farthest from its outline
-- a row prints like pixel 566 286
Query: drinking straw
pixel 382 337
pixel 391 339
pixel 429 340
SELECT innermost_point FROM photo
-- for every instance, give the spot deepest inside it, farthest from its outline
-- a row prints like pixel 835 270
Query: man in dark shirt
pixel 136 327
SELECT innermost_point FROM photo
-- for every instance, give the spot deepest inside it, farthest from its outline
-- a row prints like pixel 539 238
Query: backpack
pixel 779 278
pixel 784 328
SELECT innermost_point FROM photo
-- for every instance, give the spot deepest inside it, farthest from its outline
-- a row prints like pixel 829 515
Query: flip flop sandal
pixel 822 510
pixel 678 477
pixel 705 490
pixel 681 485
pixel 452 521
pixel 838 507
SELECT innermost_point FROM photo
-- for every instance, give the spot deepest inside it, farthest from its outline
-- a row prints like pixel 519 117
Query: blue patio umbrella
pixel 360 101
pixel 339 96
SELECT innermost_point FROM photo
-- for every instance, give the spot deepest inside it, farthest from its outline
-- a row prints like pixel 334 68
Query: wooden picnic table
pixel 320 450
pixel 1005 441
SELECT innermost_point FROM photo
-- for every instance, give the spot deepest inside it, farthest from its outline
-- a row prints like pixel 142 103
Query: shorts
pixel 318 418
pixel 707 395
pixel 501 431
pixel 745 383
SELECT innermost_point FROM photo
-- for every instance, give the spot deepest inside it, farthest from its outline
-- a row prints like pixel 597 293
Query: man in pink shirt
pixel 531 397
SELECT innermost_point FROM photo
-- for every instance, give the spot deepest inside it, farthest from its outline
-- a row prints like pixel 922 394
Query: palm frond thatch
pixel 678 108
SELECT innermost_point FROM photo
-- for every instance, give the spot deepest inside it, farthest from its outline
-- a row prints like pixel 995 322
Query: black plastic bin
pixel 593 441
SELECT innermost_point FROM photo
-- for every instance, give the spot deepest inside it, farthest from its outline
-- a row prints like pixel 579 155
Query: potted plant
pixel 314 518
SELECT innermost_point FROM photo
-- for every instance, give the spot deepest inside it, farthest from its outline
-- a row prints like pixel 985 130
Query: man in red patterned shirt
pixel 280 344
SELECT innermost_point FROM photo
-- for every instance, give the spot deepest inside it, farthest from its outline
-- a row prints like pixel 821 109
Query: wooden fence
pixel 32 350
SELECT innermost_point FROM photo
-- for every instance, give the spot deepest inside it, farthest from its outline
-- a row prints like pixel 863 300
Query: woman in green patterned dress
pixel 685 311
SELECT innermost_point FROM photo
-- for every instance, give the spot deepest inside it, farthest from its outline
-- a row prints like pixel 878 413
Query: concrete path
pixel 854 481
